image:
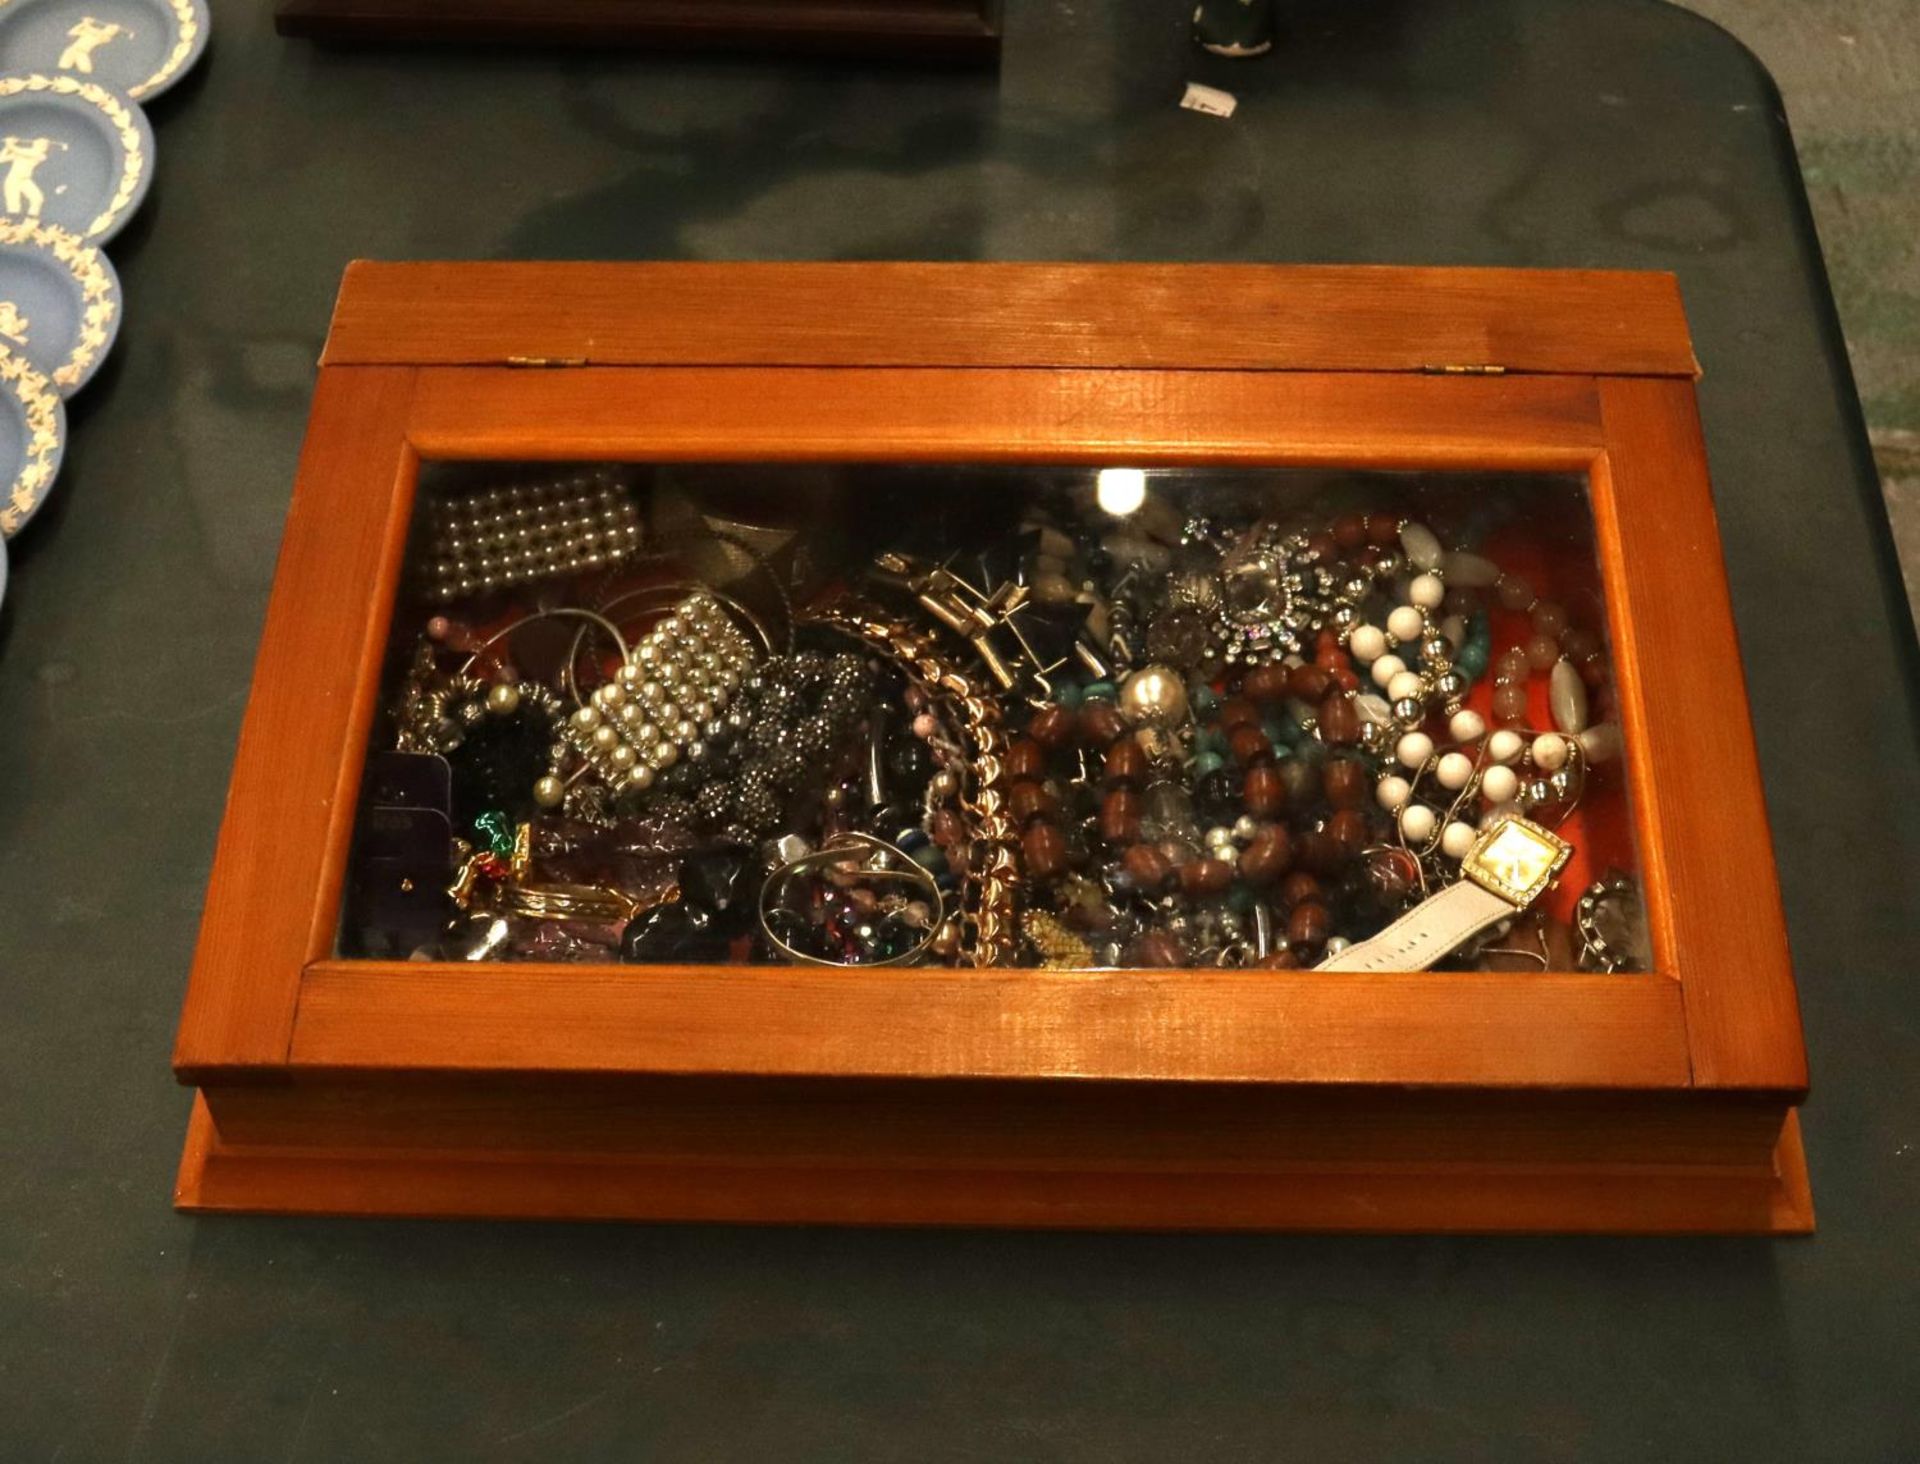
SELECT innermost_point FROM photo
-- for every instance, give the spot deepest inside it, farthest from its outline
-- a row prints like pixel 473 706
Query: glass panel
pixel 903 715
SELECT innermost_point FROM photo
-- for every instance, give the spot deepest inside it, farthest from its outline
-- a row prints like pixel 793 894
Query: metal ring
pixel 501 634
pixel 845 849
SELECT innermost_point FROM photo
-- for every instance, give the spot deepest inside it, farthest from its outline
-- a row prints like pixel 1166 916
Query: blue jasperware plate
pixel 59 302
pixel 72 154
pixel 136 47
pixel 33 435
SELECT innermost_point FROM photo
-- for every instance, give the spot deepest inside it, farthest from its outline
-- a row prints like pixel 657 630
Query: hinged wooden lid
pixel 1201 317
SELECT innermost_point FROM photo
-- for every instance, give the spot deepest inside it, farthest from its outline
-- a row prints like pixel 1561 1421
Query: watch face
pixel 1516 860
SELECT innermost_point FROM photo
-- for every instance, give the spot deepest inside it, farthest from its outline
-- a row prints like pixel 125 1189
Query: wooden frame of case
pixel 1571 1101
pixel 936 30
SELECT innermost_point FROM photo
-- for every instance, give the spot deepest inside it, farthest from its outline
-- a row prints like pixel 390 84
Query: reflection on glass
pixel 987 716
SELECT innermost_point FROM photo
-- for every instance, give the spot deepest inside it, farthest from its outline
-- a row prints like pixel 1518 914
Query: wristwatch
pixel 1510 866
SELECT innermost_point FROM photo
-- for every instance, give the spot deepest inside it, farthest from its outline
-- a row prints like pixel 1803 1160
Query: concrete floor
pixel 1850 73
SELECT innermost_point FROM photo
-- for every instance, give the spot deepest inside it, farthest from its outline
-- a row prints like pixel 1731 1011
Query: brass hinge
pixel 1465 370
pixel 546 361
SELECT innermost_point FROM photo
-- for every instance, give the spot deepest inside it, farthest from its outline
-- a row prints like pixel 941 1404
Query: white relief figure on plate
pixel 88 36
pixel 23 157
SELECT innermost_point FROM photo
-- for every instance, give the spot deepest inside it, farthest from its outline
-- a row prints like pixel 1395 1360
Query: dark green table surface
pixel 1507 132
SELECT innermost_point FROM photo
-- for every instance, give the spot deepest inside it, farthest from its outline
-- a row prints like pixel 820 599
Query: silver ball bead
pixel 1409 712
pixel 1154 696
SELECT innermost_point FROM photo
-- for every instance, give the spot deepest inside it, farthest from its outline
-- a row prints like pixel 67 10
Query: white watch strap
pixel 1427 932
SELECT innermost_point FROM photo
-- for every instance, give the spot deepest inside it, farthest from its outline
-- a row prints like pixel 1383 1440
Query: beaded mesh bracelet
pixel 527 532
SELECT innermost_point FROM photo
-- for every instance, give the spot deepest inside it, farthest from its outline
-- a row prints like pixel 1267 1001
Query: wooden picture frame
pixel 1662 1102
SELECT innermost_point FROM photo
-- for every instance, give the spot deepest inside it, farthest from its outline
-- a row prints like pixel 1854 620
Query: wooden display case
pixel 1182 1098
pixel 966 31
